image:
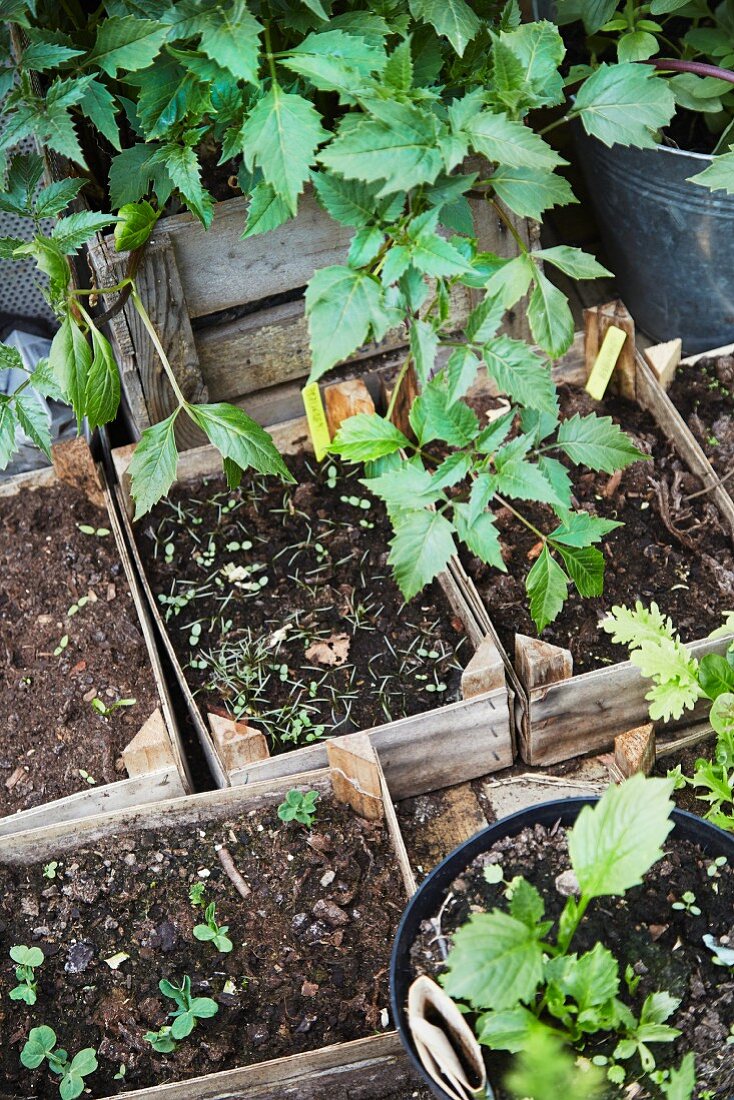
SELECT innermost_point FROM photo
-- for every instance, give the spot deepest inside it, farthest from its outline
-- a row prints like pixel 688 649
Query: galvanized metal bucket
pixel 670 243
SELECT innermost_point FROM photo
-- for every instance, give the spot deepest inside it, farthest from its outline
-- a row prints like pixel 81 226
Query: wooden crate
pixel 230 312
pixel 459 741
pixel 363 1069
pixel 559 715
pixel 155 759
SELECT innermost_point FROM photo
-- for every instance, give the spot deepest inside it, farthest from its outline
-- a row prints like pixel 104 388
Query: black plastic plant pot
pixel 427 900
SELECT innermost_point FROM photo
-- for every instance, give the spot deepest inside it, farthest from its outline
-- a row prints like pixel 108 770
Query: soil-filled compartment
pixel 307 966
pixel 673 547
pixel 662 945
pixel 76 682
pixel 703 393
pixel 282 609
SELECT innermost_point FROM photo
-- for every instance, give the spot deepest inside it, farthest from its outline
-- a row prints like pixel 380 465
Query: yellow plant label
pixel 316 418
pixel 605 363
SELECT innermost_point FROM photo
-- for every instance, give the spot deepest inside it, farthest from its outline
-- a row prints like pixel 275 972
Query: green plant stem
pixel 564 942
pixel 398 383
pixel 559 122
pixel 270 54
pixel 504 217
pixel 142 313
pixel 518 515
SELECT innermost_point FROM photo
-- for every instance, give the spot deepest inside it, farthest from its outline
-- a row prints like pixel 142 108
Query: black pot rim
pixel 424 902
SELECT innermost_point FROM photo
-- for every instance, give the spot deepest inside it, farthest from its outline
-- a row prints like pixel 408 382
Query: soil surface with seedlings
pixel 69 632
pixel 282 608
pixel 704 394
pixel 663 945
pixel 310 944
pixel 671 549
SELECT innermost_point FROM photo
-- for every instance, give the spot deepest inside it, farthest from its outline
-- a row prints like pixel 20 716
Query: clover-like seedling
pixel 161 1040
pixel 50 869
pixel 687 903
pixel 41 1044
pixel 196 894
pixel 28 959
pixel 299 806
pixel 211 932
pixel 188 1009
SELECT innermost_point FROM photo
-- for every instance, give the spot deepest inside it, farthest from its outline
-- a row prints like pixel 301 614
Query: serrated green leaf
pixel 637 46
pixel 280 137
pixel 408 487
pixel 238 437
pixel 529 192
pixel 491 437
pixel 133 171
pixel 102 395
pixel 44 381
pixel 266 211
pixel 398 147
pixel 461 372
pixel 349 202
pixel 8 246
pixel 420 549
pixel 398 72
pixel 495 962
pixel 34 420
pixel 334 61
pixel 682 1081
pixel 365 437
pixel 484 320
pixel 624 104
pixel 547 588
pixel 343 307
pixel 152 468
pixel 551 320
pixel 135 225
pixel 438 418
pixel 183 169
pixel 167 92
pixel 99 106
pixel 585 567
pixel 615 843
pixel 511 280
pixel 423 348
pixel 523 480
pixel 69 359
pixel 510 1029
pixel 719 176
pixel 126 42
pixel 521 374
pixel 365 246
pixel 597 442
pixel 57 196
pixel 40 56
pixel 452 19
pixel 572 261
pixel 452 470
pixel 507 141
pixel 71 232
pixel 431 254
pixel 231 37
pixel 582 529
pixel 8 429
pixel 558 476
pixel 10 358
pixel 539 48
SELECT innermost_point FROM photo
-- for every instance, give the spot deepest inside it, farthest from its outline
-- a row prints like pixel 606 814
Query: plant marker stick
pixel 605 362
pixel 316 418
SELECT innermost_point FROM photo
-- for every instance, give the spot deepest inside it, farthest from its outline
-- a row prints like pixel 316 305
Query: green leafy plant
pixel 41 1045
pixel 28 959
pixel 299 806
pixel 50 869
pixel 211 932
pixel 196 894
pixel 522 983
pixel 108 709
pixel 679 681
pixel 696 41
pixel 188 1009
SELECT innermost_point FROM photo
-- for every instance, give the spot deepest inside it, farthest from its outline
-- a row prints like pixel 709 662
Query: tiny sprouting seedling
pixel 161 1040
pixel 76 607
pixel 41 1044
pixel 168 552
pixel 120 1075
pixel 50 869
pixel 331 476
pixel 299 806
pixel 28 960
pixel 687 904
pixel 98 532
pixel 87 777
pixel 211 932
pixel 108 709
pixel 63 643
pixel 196 894
pixel 188 1009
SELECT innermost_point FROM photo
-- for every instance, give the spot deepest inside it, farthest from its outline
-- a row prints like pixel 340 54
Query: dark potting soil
pixel 672 550
pixel 52 741
pixel 663 945
pixel 704 395
pixel 308 967
pixel 282 608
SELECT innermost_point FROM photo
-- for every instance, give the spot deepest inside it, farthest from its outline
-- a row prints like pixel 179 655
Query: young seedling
pixel 63 643
pixel 211 932
pixel 106 710
pixel 196 894
pixel 161 1040
pixel 28 960
pixel 188 1009
pixel 50 869
pixel 299 806
pixel 98 532
pixel 41 1044
pixel 687 904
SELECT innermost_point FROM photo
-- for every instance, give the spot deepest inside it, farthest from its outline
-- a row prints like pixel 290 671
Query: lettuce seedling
pixel 188 1009
pixel 679 681
pixel 28 960
pixel 41 1044
pixel 299 806
pixel 211 932
pixel 506 968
